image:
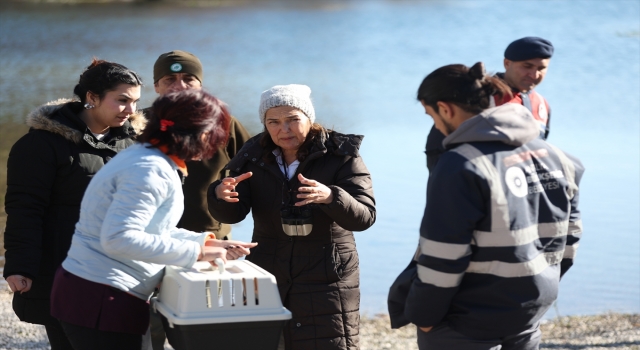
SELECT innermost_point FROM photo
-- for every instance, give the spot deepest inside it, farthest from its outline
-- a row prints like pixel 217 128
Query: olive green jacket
pixel 196 215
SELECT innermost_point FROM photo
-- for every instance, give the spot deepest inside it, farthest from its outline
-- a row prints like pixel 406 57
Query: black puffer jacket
pixel 318 274
pixel 48 171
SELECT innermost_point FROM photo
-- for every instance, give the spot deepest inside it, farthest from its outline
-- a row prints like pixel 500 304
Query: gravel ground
pixel 610 331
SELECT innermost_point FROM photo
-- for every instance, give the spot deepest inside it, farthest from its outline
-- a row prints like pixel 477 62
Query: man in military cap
pixel 180 70
pixel 525 61
pixel 176 71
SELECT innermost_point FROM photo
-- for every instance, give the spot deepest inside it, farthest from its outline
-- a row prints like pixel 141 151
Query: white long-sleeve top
pixel 127 229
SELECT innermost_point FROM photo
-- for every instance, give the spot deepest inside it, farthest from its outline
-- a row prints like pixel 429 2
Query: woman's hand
pixel 209 253
pixel 227 187
pixel 313 192
pixel 18 283
pixel 235 249
pixel 426 329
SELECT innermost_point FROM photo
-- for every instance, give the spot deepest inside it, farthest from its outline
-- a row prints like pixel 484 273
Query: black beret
pixel 527 48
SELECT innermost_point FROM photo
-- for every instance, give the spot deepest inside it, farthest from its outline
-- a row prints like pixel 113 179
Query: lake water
pixel 364 61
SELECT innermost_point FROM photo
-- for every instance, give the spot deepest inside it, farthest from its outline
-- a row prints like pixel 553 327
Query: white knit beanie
pixel 293 95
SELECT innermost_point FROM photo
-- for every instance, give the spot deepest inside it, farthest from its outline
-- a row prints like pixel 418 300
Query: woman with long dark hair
pixel 48 171
pixel 127 229
pixel 307 188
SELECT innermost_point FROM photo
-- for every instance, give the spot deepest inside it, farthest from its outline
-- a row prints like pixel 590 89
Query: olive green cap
pixel 177 61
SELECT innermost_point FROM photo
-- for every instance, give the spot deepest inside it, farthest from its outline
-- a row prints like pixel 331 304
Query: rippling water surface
pixel 364 61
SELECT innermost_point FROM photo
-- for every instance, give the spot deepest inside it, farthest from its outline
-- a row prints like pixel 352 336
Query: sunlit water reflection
pixel 364 62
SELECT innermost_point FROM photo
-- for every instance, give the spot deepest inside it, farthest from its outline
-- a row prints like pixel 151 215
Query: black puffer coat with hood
pixel 48 171
pixel 318 274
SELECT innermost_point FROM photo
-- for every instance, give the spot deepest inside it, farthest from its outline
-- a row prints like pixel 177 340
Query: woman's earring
pixel 88 106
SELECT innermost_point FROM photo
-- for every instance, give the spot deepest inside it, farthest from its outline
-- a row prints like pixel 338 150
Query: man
pixel 175 71
pixel 179 70
pixel 525 62
pixel 500 228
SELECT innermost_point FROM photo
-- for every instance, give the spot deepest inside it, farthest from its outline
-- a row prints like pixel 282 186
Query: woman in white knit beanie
pixel 307 188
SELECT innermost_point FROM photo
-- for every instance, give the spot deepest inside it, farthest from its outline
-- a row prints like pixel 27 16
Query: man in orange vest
pixel 525 62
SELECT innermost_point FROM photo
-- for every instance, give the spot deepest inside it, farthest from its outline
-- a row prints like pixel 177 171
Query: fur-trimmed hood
pixel 42 118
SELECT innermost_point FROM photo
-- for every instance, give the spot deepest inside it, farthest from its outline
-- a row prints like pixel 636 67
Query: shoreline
pixel 608 331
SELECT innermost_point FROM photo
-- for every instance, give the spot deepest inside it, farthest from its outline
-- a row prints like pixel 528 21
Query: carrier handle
pixel 220 264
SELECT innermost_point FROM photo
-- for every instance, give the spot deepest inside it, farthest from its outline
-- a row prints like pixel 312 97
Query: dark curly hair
pixel 468 88
pixel 102 76
pixel 186 116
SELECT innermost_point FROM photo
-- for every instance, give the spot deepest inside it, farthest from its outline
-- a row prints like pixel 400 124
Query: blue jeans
pixel 443 337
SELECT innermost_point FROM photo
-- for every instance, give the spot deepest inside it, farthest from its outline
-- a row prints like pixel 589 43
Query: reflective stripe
pixel 416 255
pixel 449 251
pixel 439 279
pixel 499 206
pixel 575 228
pixel 521 236
pixel 528 268
pixel 569 170
pixel 570 251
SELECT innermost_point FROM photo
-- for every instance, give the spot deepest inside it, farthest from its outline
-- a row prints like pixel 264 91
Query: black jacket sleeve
pixel 230 213
pixel 575 222
pixel 353 205
pixel 31 173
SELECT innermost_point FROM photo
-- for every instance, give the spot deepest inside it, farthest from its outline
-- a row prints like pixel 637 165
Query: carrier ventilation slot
pixel 244 292
pixel 220 301
pixel 233 294
pixel 255 288
pixel 207 290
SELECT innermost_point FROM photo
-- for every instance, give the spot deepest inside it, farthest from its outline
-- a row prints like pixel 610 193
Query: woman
pixel 127 229
pixel 48 171
pixel 307 189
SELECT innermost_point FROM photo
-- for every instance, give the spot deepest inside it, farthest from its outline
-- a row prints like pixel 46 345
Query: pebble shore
pixel 609 331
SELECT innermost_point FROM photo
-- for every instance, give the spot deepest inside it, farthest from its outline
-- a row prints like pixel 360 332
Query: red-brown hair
pixel 188 114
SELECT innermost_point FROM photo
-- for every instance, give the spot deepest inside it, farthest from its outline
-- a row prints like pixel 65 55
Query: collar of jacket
pixel 61 117
pixel 182 166
pixel 514 91
pixel 332 142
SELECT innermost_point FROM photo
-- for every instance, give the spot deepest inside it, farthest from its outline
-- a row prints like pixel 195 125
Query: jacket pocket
pixel 332 263
pixel 340 264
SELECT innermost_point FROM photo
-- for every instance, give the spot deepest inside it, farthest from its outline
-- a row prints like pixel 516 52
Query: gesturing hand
pixel 226 190
pixel 235 249
pixel 18 283
pixel 313 192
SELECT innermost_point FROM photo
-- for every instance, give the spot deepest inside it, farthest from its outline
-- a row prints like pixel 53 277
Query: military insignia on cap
pixel 176 67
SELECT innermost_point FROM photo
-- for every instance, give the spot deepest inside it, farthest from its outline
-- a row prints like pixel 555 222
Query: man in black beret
pixel 525 62
pixel 176 71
